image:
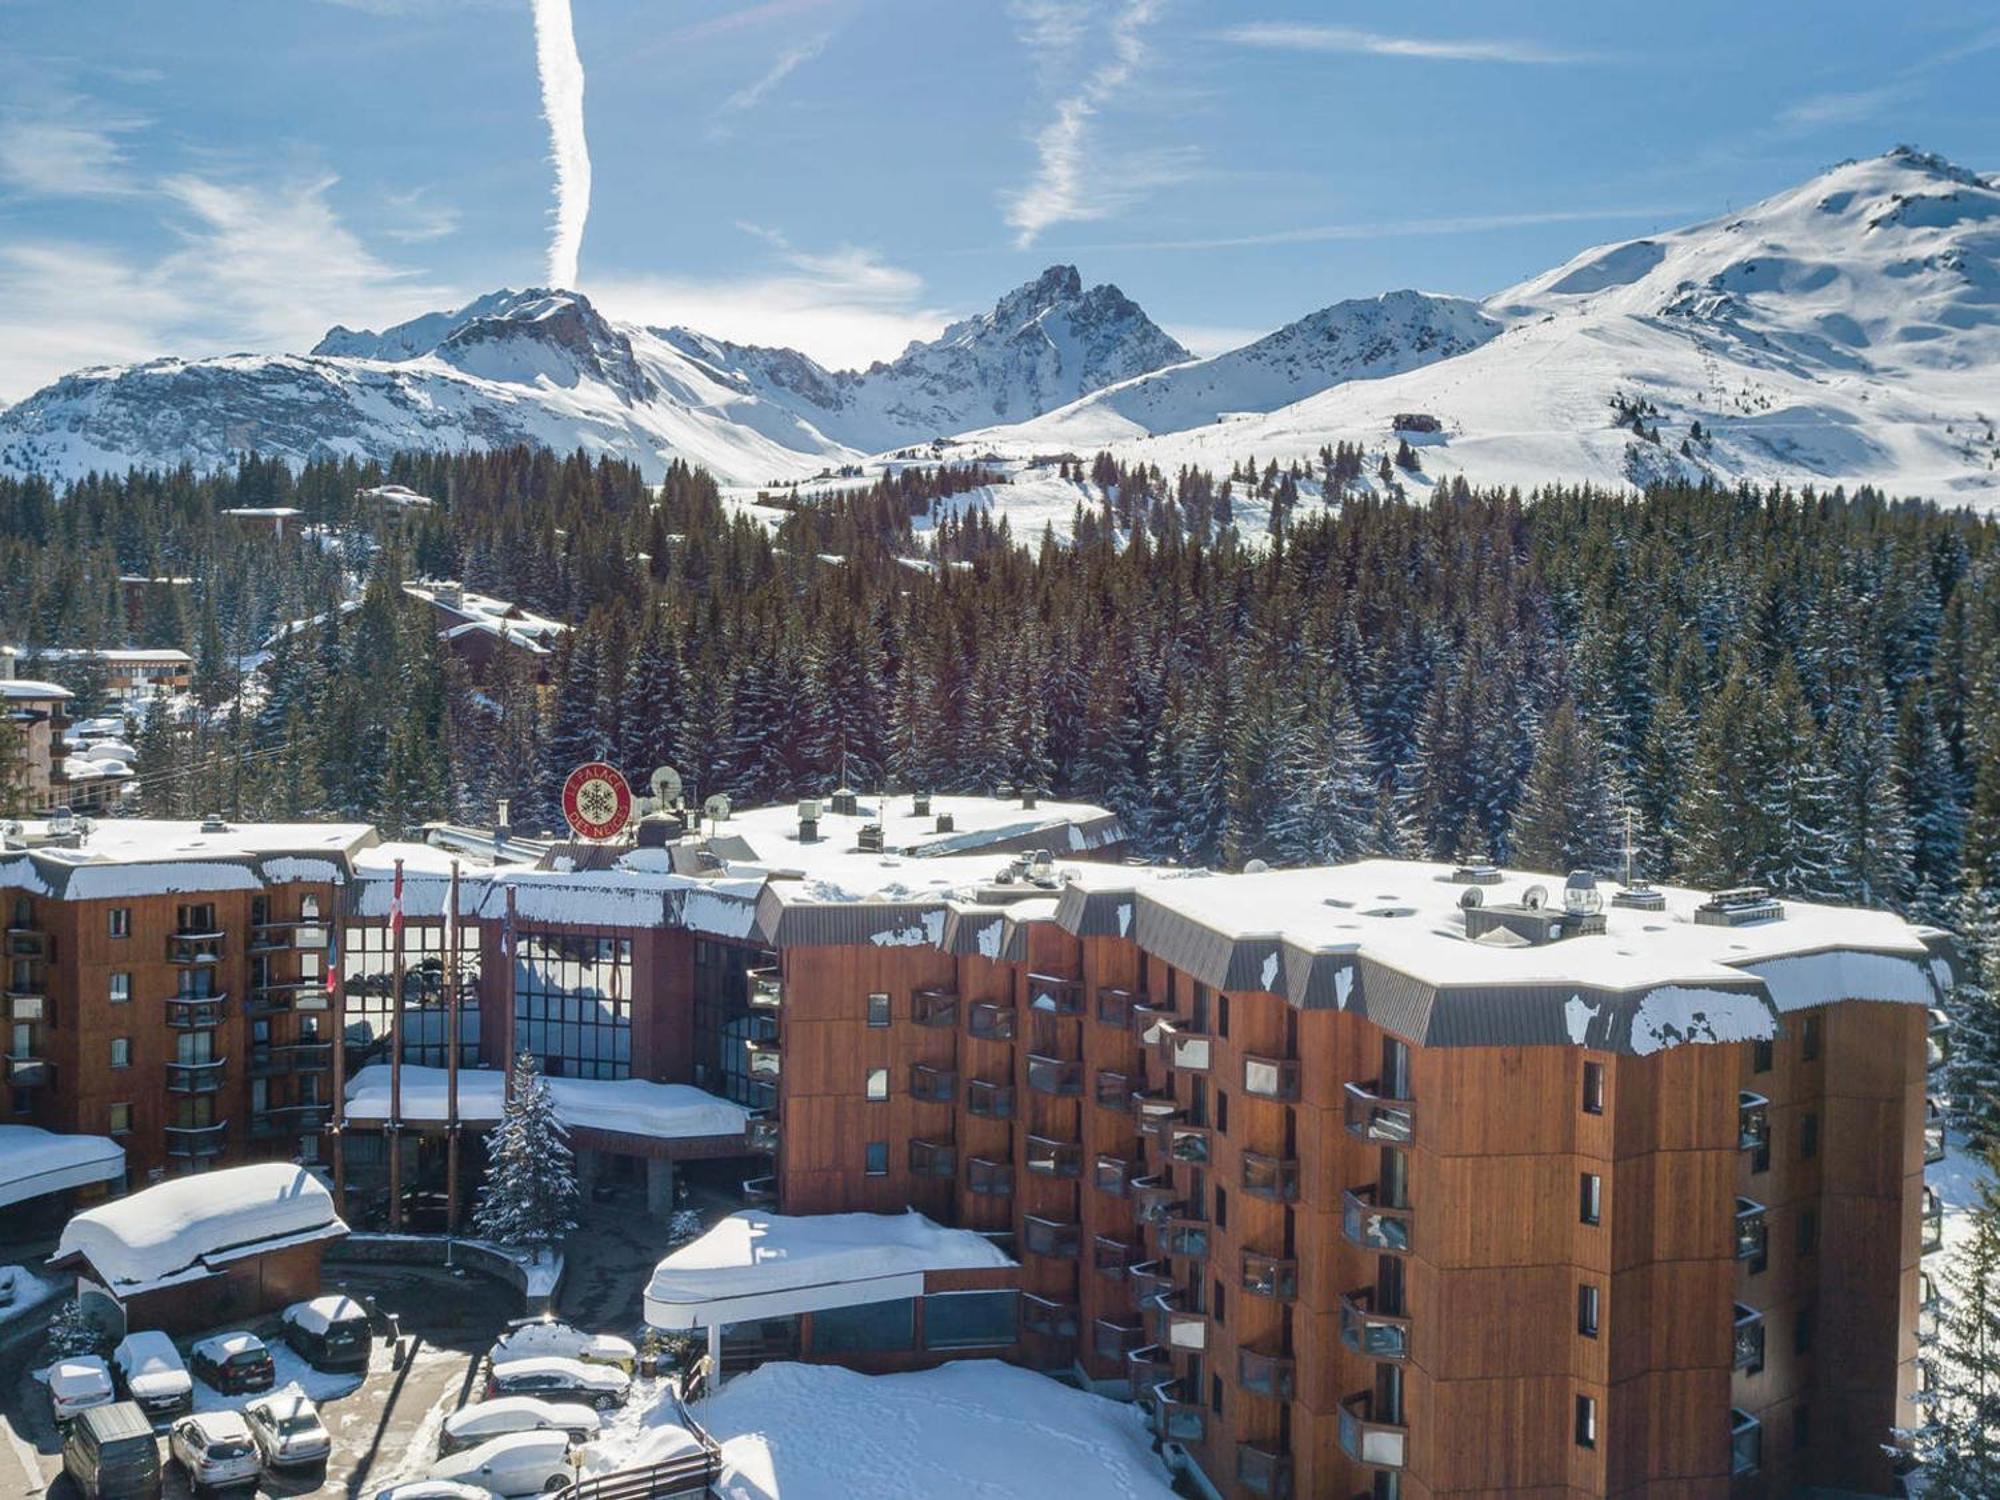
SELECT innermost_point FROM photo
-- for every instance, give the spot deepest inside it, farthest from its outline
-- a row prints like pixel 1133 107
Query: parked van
pixel 330 1333
pixel 111 1454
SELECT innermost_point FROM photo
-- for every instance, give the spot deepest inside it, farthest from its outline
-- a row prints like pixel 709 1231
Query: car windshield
pixel 229 1448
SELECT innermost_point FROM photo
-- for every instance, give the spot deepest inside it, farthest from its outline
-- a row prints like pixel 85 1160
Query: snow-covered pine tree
pixel 72 1331
pixel 1567 818
pixel 1957 1444
pixel 531 1193
pixel 1329 804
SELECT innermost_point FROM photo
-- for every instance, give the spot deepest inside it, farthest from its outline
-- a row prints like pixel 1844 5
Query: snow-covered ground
pixel 972 1429
pixel 29 1291
pixel 1956 1180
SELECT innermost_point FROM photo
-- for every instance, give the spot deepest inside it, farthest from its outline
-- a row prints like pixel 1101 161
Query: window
pixel 121 1052
pixel 878 1159
pixel 1808 1231
pixel 1590 1198
pixel 878 1084
pixel 1586 1421
pixel 1222 1111
pixel 1808 1136
pixel 1215 1305
pixel 196 916
pixel 121 1119
pixel 878 1010
pixel 121 921
pixel 1586 1310
pixel 1593 1088
pixel 1760 1055
pixel 121 988
pixel 1802 1330
pixel 567 1029
pixel 969 1320
pixel 1221 1030
pixel 312 964
pixel 1221 1207
pixel 1215 1394
pixel 1809 1040
pixel 872 1327
pixel 572 1001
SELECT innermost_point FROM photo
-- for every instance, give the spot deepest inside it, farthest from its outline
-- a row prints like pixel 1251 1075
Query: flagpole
pixel 339 990
pixel 451 1058
pixel 395 1123
pixel 511 940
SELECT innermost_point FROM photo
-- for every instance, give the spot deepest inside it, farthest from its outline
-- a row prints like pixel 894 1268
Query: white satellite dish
pixel 666 784
pixel 716 808
pixel 1535 897
pixel 1470 897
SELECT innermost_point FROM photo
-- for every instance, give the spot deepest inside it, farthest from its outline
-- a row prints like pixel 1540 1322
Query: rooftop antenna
pixel 1628 845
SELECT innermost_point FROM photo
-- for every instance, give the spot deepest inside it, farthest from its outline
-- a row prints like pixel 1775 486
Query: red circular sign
pixel 596 801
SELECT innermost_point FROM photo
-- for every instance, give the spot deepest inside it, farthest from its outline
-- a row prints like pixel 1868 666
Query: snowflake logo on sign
pixel 596 801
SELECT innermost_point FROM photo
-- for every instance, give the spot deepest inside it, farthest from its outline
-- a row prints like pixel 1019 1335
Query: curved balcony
pixel 197 1012
pixel 1271 1078
pixel 197 1077
pixel 989 1022
pixel 1113 1258
pixel 1114 1005
pixel 195 947
pixel 197 1142
pixel 1114 1091
pixel 1178 1415
pixel 1055 1076
pixel 1049 1317
pixel 1176 1325
pixel 1183 1049
pixel 1262 1372
pixel 1272 1276
pixel 1048 1157
pixel 1113 1341
pixel 1054 1238
pixel 1184 1237
pixel 1145 1367
pixel 932 1085
pixel 989 1101
pixel 1155 1110
pixel 985 1178
pixel 1382 1445
pixel 1373 1116
pixel 1375 1334
pixel 934 1007
pixel 1152 1199
pixel 1374 1226
pixel 1272 1178
pixel 933 1159
pixel 1111 1174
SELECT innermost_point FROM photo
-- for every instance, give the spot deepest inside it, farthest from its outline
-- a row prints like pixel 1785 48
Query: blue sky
pixel 207 176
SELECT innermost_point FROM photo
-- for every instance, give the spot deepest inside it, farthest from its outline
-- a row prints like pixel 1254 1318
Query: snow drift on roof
pixel 625 1106
pixel 34 1162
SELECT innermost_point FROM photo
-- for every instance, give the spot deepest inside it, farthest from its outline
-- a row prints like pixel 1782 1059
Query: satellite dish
pixel 1470 897
pixel 1581 897
pixel 666 784
pixel 1535 897
pixel 716 808
pixel 1256 867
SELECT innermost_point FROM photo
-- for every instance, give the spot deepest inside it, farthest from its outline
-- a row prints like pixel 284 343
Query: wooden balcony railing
pixel 1377 1335
pixel 988 1100
pixel 1271 1078
pixel 1383 1445
pixel 1372 1116
pixel 1372 1226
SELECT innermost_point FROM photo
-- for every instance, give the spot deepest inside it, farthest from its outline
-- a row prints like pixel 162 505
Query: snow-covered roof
pixel 623 1106
pixel 189 1227
pixel 30 690
pixel 35 1161
pixel 220 1346
pixel 145 856
pixel 263 512
pixel 1066 829
pixel 756 1265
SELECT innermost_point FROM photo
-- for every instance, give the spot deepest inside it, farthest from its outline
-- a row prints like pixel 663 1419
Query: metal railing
pixel 684 1474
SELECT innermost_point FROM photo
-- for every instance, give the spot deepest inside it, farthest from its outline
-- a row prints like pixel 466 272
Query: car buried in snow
pixel 475 1424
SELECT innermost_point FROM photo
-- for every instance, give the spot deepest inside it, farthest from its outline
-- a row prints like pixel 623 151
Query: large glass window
pixel 871 1327
pixel 969 1320
pixel 368 966
pixel 573 1003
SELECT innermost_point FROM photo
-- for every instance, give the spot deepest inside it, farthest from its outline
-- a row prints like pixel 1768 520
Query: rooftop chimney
pixel 920 805
pixel 944 823
pixel 500 829
pixel 808 820
pixel 1027 797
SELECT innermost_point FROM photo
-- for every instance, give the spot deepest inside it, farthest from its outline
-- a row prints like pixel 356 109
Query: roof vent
pixel 1581 897
pixel 869 838
pixel 945 823
pixel 1475 875
pixel 920 805
pixel 1028 797
pixel 1042 869
pixel 1639 896
pixel 846 803
pixel 1739 906
pixel 213 824
pixel 808 820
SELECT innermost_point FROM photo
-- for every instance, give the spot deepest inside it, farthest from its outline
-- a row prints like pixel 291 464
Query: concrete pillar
pixel 660 1186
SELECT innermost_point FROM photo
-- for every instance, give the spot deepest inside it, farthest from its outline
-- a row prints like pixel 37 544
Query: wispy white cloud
pixel 1285 36
pixel 788 62
pixel 415 217
pixel 1073 181
pixel 1391 229
pixel 1818 110
pixel 71 149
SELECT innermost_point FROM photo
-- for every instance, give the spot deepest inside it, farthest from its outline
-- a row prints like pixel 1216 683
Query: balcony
pixel 1145 1367
pixel 1373 1226
pixel 1263 1373
pixel 1178 1326
pixel 767 988
pixel 1113 1091
pixel 1048 1157
pixel 989 1101
pixel 1937 1040
pixel 1152 1199
pixel 197 1142
pixel 1182 1049
pixel 196 1077
pixel 1055 995
pixel 932 1085
pixel 1149 1278
pixel 197 1012
pixel 1113 1341
pixel 760 1191
pixel 934 1007
pixel 1113 1258
pixel 1114 1005
pixel 1746 1443
pixel 765 1060
pixel 1147 1020
pixel 27 942
pixel 288 1121
pixel 1378 1335
pixel 26 1071
pixel 1176 1417
pixel 1264 1471
pixel 284 994
pixel 990 1022
pixel 1048 1317
pixel 1753 1129
pixel 1272 1276
pixel 1931 1231
pixel 1184 1237
pixel 1753 1233
pixel 1189 1145
pixel 1367 1441
pixel 1155 1110
pixel 1372 1116
pixel 760 1132
pixel 291 1057
pixel 1748 1340
pixel 1052 1238
pixel 933 1159
pixel 268 1000
pixel 1271 1078
pixel 989 1179
pixel 1272 1178
pixel 194 947
pixel 1111 1174
pixel 1933 1132
pixel 1052 1075
pixel 26 1005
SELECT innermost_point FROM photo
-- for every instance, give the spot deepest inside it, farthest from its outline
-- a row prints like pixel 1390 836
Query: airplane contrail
pixel 562 102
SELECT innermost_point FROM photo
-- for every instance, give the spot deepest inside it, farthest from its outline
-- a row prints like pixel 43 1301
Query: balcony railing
pixel 1753 1128
pixel 290 1057
pixel 1264 1471
pixel 760 1190
pixel 1377 1335
pixel 1113 1091
pixel 932 1085
pixel 1753 1232
pixel 1746 1443
pixel 1371 1225
pixel 1177 1325
pixel 1274 1178
pixel 1748 1339
pixel 1932 1229
pixel 1189 1145
pixel 1114 1005
pixel 1185 1237
pixel 27 942
pixel 1113 1258
pixel 196 1077
pixel 767 988
pixel 1367 1441
pixel 990 1022
pixel 1271 1078
pixel 1111 1174
pixel 197 1142
pixel 1048 1157
pixel 989 1101
pixel 1265 1373
pixel 1145 1367
pixel 1053 1075
pixel 1048 1316
pixel 1051 1237
pixel 1152 1199
pixel 197 1012
pixel 985 1178
pixel 1148 1278
pixel 1056 995
pixel 194 947
pixel 765 1060
pixel 934 1007
pixel 1178 1415
pixel 1183 1049
pixel 1113 1340
pixel 933 1159
pixel 1273 1276
pixel 286 1121
pixel 1147 1020
pixel 27 1071
pixel 760 1132
pixel 1155 1110
pixel 27 1005
pixel 1373 1116
pixel 1937 1040
pixel 1934 1139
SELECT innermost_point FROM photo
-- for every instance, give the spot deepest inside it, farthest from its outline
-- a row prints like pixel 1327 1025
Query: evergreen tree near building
pixel 73 1331
pixel 1567 818
pixel 531 1194
pixel 1957 1443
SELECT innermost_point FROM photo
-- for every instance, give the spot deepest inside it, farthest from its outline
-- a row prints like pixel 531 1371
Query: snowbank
pixel 756 1264
pixel 624 1106
pixel 34 1162
pixel 186 1228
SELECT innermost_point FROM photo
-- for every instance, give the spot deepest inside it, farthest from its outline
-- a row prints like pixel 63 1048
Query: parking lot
pixel 384 1426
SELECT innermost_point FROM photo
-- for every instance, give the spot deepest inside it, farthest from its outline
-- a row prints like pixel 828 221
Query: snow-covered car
pixel 521 1463
pixel 553 1379
pixel 434 1489
pixel 216 1449
pixel 331 1333
pixel 288 1430
pixel 545 1338
pixel 152 1373
pixel 78 1383
pixel 233 1362
pixel 472 1425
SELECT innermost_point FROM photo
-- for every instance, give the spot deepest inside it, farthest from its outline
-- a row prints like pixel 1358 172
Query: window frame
pixel 1593 1088
pixel 1589 1309
pixel 1590 1199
